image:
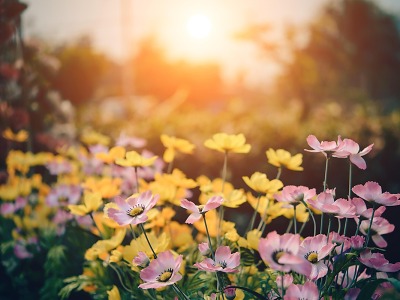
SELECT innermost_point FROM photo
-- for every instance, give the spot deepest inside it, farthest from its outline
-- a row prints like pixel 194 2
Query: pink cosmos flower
pixel 307 291
pixel 63 195
pixel 379 227
pixel 198 210
pixel 315 249
pixel 125 141
pixel 372 192
pixel 378 262
pixel 225 261
pixel 287 281
pixel 357 242
pixel 162 271
pixel 281 253
pixel 362 211
pixel 323 146
pixel 133 210
pixel 204 249
pixel 345 278
pixel 352 150
pixel 141 260
pixel 339 240
pixel 295 194
pixel 341 208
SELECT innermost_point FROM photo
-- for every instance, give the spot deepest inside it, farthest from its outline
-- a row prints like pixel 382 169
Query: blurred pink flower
pixel 362 211
pixel 372 192
pixel 132 210
pixel 345 278
pixel 294 194
pixel 378 262
pixel 352 150
pixel 125 141
pixel 315 249
pixel 357 242
pixel 141 260
pixel 63 195
pixel 281 253
pixel 162 271
pixel 204 249
pixel 198 210
pixel 379 226
pixel 307 291
pixel 323 146
pixel 341 208
pixel 225 261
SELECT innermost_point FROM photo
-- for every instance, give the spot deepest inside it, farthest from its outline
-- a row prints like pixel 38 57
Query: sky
pixel 117 26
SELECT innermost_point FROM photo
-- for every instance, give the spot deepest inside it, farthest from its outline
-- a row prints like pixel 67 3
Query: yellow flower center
pixel 312 257
pixel 277 255
pixel 164 277
pixel 135 211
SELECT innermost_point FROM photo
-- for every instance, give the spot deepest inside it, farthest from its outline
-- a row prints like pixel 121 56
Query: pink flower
pixel 162 271
pixel 132 210
pixel 352 150
pixel 125 141
pixel 339 240
pixel 307 291
pixel 357 242
pixel 281 253
pixel 323 146
pixel 372 192
pixel 63 195
pixel 341 208
pixel 204 249
pixel 362 211
pixel 345 278
pixel 198 210
pixel 141 260
pixel 379 226
pixel 315 249
pixel 378 262
pixel 295 194
pixel 225 261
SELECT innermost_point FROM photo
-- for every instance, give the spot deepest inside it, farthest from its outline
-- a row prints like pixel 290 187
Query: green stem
pixel 221 208
pixel 147 239
pixel 178 291
pixel 370 225
pixel 253 218
pixel 294 222
pixel 350 180
pixel 133 232
pixel 137 179
pixel 278 175
pixel 95 225
pixel 170 165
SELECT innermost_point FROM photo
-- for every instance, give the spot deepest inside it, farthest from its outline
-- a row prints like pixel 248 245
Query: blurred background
pixel 276 71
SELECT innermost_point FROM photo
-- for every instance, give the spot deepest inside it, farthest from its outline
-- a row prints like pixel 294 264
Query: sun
pixel 199 26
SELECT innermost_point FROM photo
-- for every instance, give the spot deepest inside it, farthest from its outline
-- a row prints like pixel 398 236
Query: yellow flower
pixel 253 238
pixel 180 236
pixel 223 142
pixel 159 244
pixel 105 246
pixel 93 138
pixel 174 144
pixel 113 294
pixel 92 201
pixel 20 136
pixel 261 184
pixel 106 186
pixel 134 159
pixel 282 157
pixel 114 153
pixel 301 213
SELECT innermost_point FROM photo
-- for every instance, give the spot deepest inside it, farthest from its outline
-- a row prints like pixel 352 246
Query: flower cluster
pixel 147 231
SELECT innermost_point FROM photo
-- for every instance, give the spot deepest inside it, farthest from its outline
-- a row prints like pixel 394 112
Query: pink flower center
pixel 165 276
pixel 135 211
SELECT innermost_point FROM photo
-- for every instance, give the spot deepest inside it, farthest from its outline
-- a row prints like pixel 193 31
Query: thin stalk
pixel 137 179
pixel 253 218
pixel 289 227
pixel 221 208
pixel 178 291
pixel 278 175
pixel 370 225
pixel 329 227
pixel 95 225
pixel 325 184
pixel 339 226
pixel 350 180
pixel 170 165
pixel 133 232
pixel 147 239
pixel 310 213
pixel 294 221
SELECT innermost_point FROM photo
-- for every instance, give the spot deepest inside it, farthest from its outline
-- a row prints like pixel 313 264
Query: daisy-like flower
pixel 225 143
pixel 281 253
pixel 174 145
pixel 295 194
pixel 91 202
pixel 20 136
pixel 261 184
pixel 134 159
pixel 372 192
pixel 378 262
pixel 363 212
pixel 282 158
pixel 315 249
pixel 307 291
pixel 162 271
pixel 63 195
pixel 198 210
pixel 109 157
pixel 351 150
pixel 341 208
pixel 141 260
pixel 379 227
pixel 132 210
pixel 324 146
pixel 225 261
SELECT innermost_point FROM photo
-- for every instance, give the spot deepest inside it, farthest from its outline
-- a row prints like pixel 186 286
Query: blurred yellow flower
pixel 159 244
pixel 20 136
pixel 112 155
pixel 174 144
pixel 225 143
pixel 253 238
pixel 91 137
pixel 261 184
pixel 301 213
pixel 113 294
pixel 91 202
pixel 180 236
pixel 134 159
pixel 108 187
pixel 283 158
pixel 105 246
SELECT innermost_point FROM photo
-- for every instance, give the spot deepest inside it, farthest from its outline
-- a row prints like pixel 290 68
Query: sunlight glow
pixel 199 26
